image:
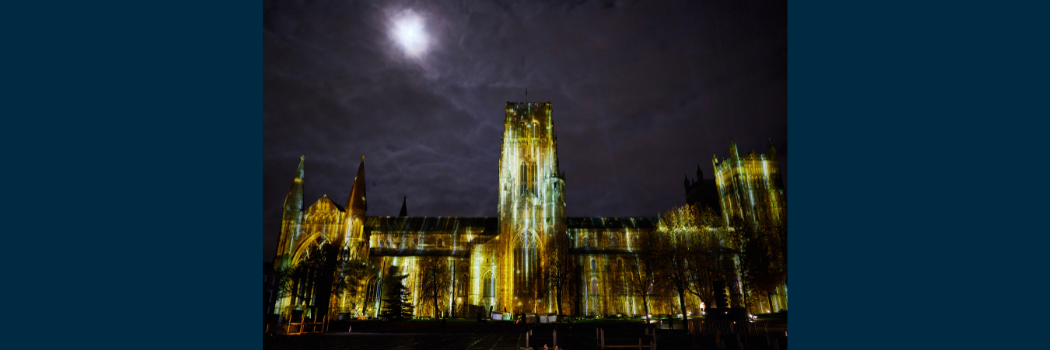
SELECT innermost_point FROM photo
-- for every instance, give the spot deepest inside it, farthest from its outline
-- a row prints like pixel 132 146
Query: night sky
pixel 641 93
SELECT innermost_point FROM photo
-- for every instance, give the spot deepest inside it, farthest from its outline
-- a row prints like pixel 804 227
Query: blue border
pixel 133 136
pixel 911 127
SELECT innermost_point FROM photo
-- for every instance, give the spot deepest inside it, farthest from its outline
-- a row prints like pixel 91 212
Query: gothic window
pixel 463 285
pixel 527 176
pixel 372 290
pixel 594 266
pixel 594 286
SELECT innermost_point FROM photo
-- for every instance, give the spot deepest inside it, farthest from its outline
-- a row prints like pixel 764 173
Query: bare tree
pixel 434 277
pixel 670 248
pixel 320 275
pixel 762 255
pixel 641 273
pixel 708 256
pixel 559 270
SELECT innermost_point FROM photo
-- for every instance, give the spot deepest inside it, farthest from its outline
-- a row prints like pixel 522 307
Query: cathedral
pixel 506 263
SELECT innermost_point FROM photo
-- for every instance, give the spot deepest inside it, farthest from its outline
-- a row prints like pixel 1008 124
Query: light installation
pixel 502 263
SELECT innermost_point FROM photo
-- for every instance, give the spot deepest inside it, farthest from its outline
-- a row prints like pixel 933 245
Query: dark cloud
pixel 642 92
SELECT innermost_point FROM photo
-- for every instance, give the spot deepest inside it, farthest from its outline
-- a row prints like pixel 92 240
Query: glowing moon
pixel 409 32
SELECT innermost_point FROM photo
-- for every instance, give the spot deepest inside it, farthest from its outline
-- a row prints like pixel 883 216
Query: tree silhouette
pixel 396 303
pixel 559 270
pixel 762 255
pixel 670 250
pixel 434 278
pixel 641 272
pixel 321 274
pixel 710 259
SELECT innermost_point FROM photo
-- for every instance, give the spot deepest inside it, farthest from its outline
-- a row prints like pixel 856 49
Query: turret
pixel 404 208
pixel 733 155
pixel 772 150
pixel 291 219
pixel 699 174
pixel 687 183
pixel 356 203
pixel 294 200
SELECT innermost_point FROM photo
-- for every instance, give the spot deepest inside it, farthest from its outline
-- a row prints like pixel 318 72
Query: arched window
pixel 594 286
pixel 594 266
pixel 527 176
pixel 372 291
pixel 490 285
pixel 464 283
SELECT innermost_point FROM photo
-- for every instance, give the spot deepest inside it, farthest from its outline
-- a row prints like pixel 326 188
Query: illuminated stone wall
pixel 603 248
pixel 531 206
pixel 499 262
pixel 323 223
pixel 751 187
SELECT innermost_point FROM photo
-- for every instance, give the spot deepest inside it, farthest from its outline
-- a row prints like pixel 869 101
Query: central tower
pixel 531 206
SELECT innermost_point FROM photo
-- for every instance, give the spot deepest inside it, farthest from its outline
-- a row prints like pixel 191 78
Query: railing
pixel 304 327
pixel 529 333
pixel 643 342
pixel 735 327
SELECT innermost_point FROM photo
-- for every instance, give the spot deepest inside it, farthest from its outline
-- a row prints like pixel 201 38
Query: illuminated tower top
pixel 294 200
pixel 356 203
pixel 529 175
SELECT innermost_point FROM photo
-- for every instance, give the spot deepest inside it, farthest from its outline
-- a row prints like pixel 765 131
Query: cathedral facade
pixel 529 258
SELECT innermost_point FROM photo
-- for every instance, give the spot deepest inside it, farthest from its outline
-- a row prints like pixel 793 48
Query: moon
pixel 410 32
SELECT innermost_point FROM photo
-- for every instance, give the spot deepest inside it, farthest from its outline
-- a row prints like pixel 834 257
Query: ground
pixel 467 334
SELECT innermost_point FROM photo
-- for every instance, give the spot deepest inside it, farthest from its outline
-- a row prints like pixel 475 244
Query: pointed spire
pixel 733 154
pixel 699 173
pixel 687 183
pixel 356 203
pixel 294 200
pixel 772 150
pixel 404 208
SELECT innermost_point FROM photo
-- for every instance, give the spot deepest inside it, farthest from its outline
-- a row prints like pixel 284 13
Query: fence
pixel 304 327
pixel 736 327
pixel 643 342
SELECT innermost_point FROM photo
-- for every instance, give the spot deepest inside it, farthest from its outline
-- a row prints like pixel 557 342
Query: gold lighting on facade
pixel 500 263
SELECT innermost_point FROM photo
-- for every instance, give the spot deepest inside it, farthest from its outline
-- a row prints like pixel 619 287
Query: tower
pixel 291 220
pixel 531 205
pixel 356 206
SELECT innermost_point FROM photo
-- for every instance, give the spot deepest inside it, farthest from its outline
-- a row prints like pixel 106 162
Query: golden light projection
pixel 750 186
pixel 530 258
pixel 531 206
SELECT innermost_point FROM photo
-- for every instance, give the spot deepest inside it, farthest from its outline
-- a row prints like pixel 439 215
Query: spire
pixel 699 174
pixel 687 183
pixel 294 200
pixel 733 154
pixel 356 203
pixel 404 208
pixel 772 150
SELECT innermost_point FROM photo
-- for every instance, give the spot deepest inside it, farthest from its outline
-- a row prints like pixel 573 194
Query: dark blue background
pixel 132 134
